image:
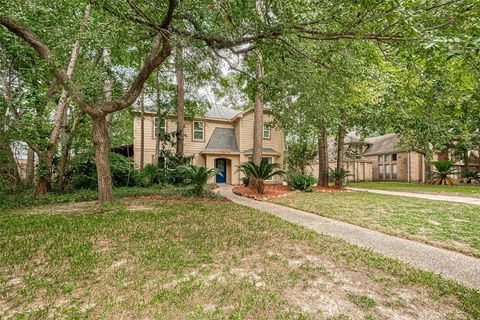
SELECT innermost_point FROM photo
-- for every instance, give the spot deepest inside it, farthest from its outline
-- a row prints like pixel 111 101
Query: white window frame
pixel 198 130
pixel 156 126
pixel 266 128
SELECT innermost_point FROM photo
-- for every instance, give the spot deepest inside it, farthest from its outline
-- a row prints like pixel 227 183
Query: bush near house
pixel 82 173
pixel 301 181
pixel 339 176
pixel 260 173
pixel 471 177
pixel 198 176
pixel 442 172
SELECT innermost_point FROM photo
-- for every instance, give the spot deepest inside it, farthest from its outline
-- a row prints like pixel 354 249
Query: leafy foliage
pixel 258 174
pixel 443 169
pixel 339 176
pixel 82 173
pixel 198 176
pixel 471 177
pixel 300 154
pixel 301 181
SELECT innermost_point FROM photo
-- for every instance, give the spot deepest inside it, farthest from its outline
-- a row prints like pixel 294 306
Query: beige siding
pixel 243 127
pixel 414 166
pixel 191 147
pixel 360 170
pixel 276 141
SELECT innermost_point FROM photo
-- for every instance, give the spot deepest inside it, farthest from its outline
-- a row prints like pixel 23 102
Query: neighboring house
pixel 221 139
pixel 380 159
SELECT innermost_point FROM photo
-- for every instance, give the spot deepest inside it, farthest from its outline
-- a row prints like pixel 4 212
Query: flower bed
pixel 275 191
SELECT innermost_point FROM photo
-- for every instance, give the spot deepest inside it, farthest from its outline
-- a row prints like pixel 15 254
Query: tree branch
pixel 160 51
pixel 41 48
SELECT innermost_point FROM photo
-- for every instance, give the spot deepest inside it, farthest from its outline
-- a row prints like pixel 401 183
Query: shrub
pixel 301 181
pixel 198 176
pixel 82 173
pixel 339 176
pixel 471 177
pixel 443 169
pixel 150 175
pixel 260 173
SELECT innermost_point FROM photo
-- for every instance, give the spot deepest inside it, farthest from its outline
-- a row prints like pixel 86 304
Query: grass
pixel 361 301
pixel 28 199
pixel 462 190
pixel 202 259
pixel 450 225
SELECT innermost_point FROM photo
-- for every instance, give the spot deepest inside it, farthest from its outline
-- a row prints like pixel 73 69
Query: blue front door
pixel 221 165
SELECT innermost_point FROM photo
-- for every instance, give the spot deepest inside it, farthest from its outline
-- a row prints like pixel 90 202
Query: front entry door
pixel 221 165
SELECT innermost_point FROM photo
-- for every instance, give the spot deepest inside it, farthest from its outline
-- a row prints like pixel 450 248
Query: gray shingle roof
pixel 264 150
pixel 215 112
pixel 219 112
pixel 382 144
pixel 222 139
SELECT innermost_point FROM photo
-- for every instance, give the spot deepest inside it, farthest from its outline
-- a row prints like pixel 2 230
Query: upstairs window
pixel 160 126
pixel 198 131
pixel 266 131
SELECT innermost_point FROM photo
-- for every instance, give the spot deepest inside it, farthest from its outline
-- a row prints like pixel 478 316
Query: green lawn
pixel 28 199
pixel 463 190
pixel 450 225
pixel 202 259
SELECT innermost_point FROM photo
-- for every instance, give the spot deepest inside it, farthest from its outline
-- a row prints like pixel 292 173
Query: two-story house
pixel 382 158
pixel 221 139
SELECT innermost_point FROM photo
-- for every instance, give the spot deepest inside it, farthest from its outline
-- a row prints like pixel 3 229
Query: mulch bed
pixel 275 191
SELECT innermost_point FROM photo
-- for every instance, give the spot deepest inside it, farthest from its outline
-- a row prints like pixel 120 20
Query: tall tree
pixel 180 79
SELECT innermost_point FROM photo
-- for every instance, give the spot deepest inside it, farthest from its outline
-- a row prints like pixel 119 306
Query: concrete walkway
pixel 459 267
pixel 429 196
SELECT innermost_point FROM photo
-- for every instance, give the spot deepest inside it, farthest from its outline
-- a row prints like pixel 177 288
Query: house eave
pixel 151 113
pixel 222 152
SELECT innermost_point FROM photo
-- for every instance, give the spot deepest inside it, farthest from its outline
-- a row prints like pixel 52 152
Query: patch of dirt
pixel 274 191
pixel 178 198
pixel 63 208
pixel 139 207
pixel 326 292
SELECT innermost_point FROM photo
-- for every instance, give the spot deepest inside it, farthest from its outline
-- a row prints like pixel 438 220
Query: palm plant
pixel 198 176
pixel 339 175
pixel 471 176
pixel 258 174
pixel 443 169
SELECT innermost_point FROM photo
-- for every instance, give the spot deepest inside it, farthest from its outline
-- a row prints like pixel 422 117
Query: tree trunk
pixel 323 157
pixel 340 151
pixel 9 169
pixel 30 168
pixel 157 137
pixel 142 132
pixel 258 113
pixel 101 140
pixel 257 122
pixel 64 153
pixel 107 87
pixel 44 184
pixel 180 103
pixel 62 106
pixel 466 165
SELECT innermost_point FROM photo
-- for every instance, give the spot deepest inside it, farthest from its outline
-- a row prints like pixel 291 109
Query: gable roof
pixel 382 144
pixel 222 139
pixel 215 112
pixel 220 112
